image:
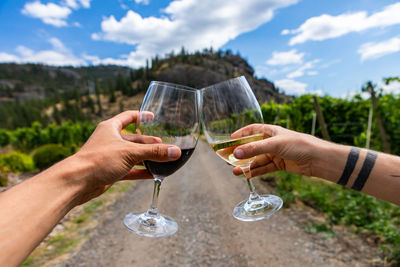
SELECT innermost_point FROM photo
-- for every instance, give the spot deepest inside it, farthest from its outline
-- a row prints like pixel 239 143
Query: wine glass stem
pixel 153 210
pixel 253 194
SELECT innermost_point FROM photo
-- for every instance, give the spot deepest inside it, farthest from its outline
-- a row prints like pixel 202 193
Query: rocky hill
pixel 44 87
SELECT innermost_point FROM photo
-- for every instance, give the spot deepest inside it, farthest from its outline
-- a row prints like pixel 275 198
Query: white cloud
pixel 85 3
pixel 59 55
pixel 292 87
pixel 8 58
pixel 144 2
pixel 75 4
pixel 302 70
pixel 327 26
pixel 312 73
pixel 49 13
pixel 393 87
pixel 286 58
pixel 72 4
pixel 123 6
pixel 376 50
pixel 54 14
pixel 189 23
pixel 316 92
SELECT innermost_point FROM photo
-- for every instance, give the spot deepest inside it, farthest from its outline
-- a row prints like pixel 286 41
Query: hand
pixel 111 156
pixel 281 149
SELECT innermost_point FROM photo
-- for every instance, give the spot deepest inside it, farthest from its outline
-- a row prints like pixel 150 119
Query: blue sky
pixel 303 46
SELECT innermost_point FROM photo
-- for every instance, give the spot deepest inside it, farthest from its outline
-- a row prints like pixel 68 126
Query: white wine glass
pixel 170 112
pixel 227 107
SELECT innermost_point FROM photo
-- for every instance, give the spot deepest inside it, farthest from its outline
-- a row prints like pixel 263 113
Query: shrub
pixel 3 180
pixel 47 155
pixel 4 137
pixel 3 175
pixel 17 162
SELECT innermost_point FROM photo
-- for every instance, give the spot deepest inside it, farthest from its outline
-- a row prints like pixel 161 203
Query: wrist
pixel 329 160
pixel 69 176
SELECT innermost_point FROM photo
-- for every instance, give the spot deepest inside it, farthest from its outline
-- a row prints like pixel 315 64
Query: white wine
pixel 225 149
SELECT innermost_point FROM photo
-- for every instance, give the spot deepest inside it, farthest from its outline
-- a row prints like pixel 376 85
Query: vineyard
pixel 347 121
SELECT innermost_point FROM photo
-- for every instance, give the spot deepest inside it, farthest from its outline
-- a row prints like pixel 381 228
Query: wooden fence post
pixel 369 127
pixel 321 120
pixel 314 121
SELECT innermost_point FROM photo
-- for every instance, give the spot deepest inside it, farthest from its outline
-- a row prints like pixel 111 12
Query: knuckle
pixel 158 152
pixel 251 148
pixel 103 124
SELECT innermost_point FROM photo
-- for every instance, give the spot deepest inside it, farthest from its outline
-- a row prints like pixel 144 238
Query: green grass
pixel 124 188
pixel 81 218
pixel 56 239
pixel 28 261
pixel 321 228
pixel 345 206
pixel 92 206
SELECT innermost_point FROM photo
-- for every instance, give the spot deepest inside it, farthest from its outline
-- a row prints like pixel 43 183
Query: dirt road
pixel 200 197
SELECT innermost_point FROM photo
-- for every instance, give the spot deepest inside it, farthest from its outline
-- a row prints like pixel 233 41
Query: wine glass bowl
pixel 169 112
pixel 227 107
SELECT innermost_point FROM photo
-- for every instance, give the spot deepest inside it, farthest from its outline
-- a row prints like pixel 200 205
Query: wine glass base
pixel 265 207
pixel 150 226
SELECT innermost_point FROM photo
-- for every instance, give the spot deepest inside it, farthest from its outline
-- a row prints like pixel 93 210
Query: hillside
pixel 31 92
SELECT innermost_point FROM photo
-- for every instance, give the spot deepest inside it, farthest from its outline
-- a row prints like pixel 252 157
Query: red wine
pixel 167 168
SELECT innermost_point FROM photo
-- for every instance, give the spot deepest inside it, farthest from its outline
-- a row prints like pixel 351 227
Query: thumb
pixel 272 145
pixel 156 152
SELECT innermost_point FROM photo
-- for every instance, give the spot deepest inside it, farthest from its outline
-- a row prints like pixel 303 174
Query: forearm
pixel 30 210
pixel 382 182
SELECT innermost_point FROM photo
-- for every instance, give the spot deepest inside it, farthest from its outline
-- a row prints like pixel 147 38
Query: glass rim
pixel 218 83
pixel 174 85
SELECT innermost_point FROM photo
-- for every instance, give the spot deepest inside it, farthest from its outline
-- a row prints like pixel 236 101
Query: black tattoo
pixel 365 171
pixel 397 176
pixel 350 165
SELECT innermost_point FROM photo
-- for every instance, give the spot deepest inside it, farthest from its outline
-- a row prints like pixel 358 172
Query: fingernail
pixel 239 153
pixel 173 152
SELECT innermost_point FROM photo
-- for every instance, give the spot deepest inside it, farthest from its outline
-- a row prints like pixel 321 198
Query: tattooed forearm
pixel 350 165
pixel 365 171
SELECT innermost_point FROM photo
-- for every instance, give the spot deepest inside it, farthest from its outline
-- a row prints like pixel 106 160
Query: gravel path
pixel 200 197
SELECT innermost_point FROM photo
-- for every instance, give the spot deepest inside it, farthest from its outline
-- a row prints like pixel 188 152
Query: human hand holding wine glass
pixel 227 107
pixel 176 122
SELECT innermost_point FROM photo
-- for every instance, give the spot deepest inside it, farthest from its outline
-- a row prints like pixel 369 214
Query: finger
pixel 142 139
pixel 135 174
pixel 124 119
pixel 248 130
pixel 155 152
pixel 271 145
pixel 268 129
pixel 261 160
pixel 270 167
pixel 237 171
pixel 146 116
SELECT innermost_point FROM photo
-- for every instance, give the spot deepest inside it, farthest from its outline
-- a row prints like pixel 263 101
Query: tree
pixel 56 115
pixel 112 98
pixel 121 85
pixel 97 89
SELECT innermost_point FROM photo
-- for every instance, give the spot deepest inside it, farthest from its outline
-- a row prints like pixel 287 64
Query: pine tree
pixel 98 91
pixel 56 115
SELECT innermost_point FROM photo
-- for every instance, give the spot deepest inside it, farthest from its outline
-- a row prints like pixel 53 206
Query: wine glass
pixel 170 112
pixel 227 107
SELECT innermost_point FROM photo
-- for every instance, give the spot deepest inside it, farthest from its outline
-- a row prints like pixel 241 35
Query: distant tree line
pixel 79 94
